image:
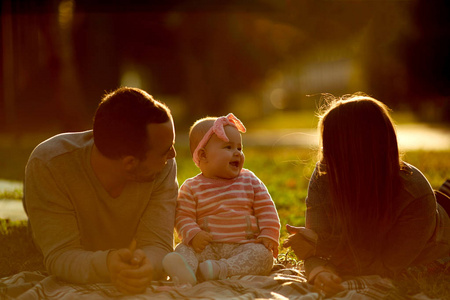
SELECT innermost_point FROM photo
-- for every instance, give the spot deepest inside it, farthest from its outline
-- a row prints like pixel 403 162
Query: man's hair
pixel 121 119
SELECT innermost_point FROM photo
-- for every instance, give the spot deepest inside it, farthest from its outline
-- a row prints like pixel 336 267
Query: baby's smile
pixel 234 164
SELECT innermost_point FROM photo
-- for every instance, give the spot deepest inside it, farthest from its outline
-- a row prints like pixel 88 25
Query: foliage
pixel 285 120
pixel 433 284
pixel 435 165
pixel 11 194
pixel 13 167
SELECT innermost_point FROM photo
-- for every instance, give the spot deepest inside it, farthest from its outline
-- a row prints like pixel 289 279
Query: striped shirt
pixel 238 210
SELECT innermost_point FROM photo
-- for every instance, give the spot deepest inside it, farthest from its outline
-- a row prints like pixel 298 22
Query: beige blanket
pixel 282 284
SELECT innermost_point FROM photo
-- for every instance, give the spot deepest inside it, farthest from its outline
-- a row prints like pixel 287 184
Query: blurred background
pixel 267 61
pixel 254 58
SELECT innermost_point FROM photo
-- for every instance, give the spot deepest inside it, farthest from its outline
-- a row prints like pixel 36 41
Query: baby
pixel 225 216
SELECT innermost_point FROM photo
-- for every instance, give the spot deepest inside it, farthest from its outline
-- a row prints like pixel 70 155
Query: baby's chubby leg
pixel 238 259
pixel 250 259
pixel 176 266
pixel 189 255
pixel 181 265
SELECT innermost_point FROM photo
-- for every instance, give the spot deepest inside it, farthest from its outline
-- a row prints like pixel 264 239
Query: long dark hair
pixel 359 153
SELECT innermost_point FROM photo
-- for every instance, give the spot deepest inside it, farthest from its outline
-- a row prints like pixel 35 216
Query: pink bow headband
pixel 218 129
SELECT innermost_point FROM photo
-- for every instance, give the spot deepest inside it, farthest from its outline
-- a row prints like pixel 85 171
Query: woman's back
pixel 420 230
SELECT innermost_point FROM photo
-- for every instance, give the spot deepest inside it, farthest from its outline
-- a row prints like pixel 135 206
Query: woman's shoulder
pixel 414 181
pixel 318 186
pixel 319 176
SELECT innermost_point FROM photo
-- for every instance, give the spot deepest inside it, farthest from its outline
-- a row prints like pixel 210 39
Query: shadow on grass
pixel 17 252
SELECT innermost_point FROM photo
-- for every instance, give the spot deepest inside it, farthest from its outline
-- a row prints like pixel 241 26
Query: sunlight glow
pixel 65 13
pixel 131 78
pixel 278 98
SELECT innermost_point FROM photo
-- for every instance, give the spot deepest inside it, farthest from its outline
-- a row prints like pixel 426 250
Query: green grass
pixel 17 252
pixel 11 194
pixel 285 171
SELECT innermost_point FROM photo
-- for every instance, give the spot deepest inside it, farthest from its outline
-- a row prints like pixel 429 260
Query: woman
pixel 368 212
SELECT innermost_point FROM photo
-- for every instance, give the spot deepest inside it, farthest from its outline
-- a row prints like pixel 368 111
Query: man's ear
pixel 129 162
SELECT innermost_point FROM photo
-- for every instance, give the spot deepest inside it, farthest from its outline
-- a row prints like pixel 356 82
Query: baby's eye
pixel 227 147
pixel 239 149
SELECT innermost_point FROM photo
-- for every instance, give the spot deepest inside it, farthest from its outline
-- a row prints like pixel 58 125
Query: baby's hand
pixel 269 244
pixel 201 240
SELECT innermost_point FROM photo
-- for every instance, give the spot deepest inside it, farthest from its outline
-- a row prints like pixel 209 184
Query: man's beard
pixel 138 176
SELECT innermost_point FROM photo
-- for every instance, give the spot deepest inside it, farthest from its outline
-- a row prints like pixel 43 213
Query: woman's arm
pixel 317 219
pixel 409 236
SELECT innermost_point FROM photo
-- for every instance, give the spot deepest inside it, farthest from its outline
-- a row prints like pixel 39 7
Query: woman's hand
pixel 328 283
pixel 302 241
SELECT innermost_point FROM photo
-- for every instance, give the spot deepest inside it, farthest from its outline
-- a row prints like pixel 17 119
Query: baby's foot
pixel 209 269
pixel 178 269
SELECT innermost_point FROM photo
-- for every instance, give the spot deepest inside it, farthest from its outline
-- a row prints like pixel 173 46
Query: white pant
pixel 233 259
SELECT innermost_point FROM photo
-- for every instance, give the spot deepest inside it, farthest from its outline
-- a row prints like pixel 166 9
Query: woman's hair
pixel 121 119
pixel 359 153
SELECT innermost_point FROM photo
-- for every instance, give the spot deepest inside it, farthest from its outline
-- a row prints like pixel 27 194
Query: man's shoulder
pixel 61 144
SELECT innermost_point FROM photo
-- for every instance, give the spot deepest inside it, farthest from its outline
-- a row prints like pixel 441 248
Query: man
pixel 92 196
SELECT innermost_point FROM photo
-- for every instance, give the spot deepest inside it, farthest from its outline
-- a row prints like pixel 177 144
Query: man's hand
pixel 269 244
pixel 130 270
pixel 201 240
pixel 135 280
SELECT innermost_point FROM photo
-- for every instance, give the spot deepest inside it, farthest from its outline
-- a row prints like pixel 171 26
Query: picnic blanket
pixel 280 284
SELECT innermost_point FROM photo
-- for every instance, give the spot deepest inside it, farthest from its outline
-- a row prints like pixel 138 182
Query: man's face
pixel 161 140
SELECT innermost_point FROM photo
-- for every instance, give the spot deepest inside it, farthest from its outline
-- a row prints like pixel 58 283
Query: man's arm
pixel 54 226
pixel 155 231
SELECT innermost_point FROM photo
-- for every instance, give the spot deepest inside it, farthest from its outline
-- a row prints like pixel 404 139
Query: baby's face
pixel 224 159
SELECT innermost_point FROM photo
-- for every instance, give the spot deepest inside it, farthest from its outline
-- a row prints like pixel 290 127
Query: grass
pixel 17 252
pixel 285 171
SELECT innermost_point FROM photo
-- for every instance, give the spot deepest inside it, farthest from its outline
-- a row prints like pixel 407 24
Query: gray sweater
pixel 75 222
pixel 420 234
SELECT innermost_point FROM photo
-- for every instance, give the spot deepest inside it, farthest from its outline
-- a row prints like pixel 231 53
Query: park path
pixel 410 137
